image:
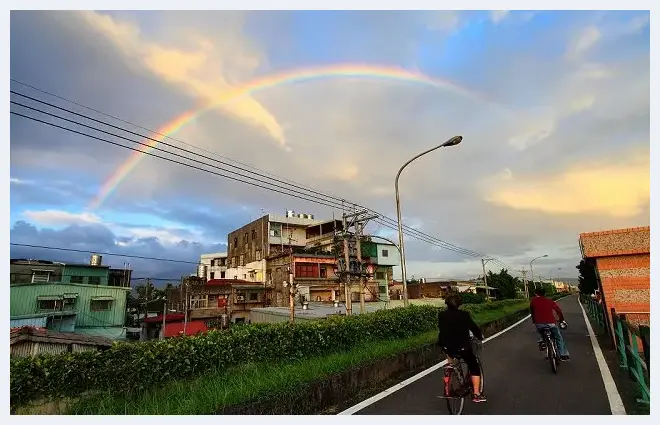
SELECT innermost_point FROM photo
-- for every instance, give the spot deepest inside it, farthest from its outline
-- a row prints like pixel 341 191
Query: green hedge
pixel 135 366
pixel 470 298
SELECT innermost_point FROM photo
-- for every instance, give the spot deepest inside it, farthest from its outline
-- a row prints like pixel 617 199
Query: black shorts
pixel 470 359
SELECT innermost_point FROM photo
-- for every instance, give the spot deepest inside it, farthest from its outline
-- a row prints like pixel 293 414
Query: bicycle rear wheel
pixel 552 356
pixel 456 399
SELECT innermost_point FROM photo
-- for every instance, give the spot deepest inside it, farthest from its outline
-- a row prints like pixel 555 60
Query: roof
pixel 192 328
pixel 629 241
pixel 227 282
pixel 214 255
pixel 174 317
pixel 100 266
pixel 44 335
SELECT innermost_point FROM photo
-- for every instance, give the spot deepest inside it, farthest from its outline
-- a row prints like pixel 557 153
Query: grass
pixel 249 382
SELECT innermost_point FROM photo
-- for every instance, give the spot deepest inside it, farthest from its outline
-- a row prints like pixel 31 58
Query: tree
pixel 587 277
pixel 504 282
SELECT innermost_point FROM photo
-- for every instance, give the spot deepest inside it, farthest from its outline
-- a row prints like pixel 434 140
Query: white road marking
pixel 397 387
pixel 613 396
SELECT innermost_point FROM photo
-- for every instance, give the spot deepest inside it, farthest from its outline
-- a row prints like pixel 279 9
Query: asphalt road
pixel 518 379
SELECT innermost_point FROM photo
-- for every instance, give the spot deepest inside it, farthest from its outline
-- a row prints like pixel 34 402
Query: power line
pixel 103 253
pixel 384 219
pixel 424 238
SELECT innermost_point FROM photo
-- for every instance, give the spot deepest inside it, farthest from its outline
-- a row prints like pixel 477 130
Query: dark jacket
pixel 454 329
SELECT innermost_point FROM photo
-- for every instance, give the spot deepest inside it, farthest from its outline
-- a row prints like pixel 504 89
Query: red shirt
pixel 542 309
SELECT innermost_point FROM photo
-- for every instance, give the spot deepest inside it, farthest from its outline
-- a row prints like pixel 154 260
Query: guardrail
pixel 596 311
pixel 628 336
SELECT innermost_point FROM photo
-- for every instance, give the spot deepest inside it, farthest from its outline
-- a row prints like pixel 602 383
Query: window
pixel 254 235
pixel 212 275
pixel 276 229
pixel 52 304
pixel 235 242
pixel 380 275
pixel 94 280
pixel 306 270
pixel 233 262
pixel 40 276
pixel 324 272
pixel 69 302
pixel 212 263
pixel 242 263
pixel 385 253
pixel 253 296
pixel 257 255
pixel 222 275
pixel 76 279
pixel 100 305
pixel 244 277
pixel 245 238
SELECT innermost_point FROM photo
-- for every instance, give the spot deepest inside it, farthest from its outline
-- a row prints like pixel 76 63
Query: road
pixel 518 379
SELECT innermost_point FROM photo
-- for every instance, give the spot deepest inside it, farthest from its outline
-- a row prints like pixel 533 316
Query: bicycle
pixel 457 373
pixel 550 344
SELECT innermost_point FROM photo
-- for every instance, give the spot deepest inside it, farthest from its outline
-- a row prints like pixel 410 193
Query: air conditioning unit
pixel 240 298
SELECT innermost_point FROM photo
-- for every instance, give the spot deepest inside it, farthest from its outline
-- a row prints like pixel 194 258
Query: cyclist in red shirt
pixel 543 312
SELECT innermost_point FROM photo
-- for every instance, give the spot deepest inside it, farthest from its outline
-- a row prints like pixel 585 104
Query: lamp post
pixel 451 142
pixel 531 268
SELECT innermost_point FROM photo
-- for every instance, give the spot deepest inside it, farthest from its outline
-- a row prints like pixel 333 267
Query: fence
pixel 630 330
pixel 628 338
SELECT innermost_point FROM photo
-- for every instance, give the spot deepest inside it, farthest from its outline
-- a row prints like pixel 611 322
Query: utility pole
pixel 162 331
pixel 358 253
pixel 347 278
pixel 483 267
pixel 524 273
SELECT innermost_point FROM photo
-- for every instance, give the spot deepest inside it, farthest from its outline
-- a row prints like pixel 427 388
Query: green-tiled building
pixel 79 301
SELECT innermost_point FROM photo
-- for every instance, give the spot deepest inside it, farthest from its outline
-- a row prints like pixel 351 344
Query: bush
pixel 127 367
pixel 470 298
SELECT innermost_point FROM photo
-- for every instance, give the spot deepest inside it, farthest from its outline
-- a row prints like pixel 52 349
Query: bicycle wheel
pixel 552 356
pixel 456 399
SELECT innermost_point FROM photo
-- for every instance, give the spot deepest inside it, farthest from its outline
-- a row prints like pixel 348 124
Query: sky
pixel 553 107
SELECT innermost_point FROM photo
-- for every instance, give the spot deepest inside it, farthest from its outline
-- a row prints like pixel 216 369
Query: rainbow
pixel 268 81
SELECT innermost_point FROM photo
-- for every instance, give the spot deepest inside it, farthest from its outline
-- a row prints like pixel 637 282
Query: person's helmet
pixel 540 291
pixel 563 324
pixel 453 301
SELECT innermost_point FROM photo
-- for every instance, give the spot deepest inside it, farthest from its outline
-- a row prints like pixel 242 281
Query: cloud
pixel 60 218
pixel 617 186
pixel 203 69
pixel 582 42
pixel 98 238
pixel 348 136
pixel 497 16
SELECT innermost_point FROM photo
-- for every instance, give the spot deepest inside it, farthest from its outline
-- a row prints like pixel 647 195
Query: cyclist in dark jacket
pixel 454 337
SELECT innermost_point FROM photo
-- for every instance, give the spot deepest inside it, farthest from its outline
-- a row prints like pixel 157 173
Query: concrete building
pixel 313 273
pixel 622 262
pixel 266 236
pixel 221 300
pixel 213 266
pixel 380 259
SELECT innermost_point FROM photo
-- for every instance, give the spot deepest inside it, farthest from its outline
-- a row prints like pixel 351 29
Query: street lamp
pixel 531 268
pixel 451 142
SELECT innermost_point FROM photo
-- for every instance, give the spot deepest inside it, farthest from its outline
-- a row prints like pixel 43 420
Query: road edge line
pixel 613 396
pixel 371 400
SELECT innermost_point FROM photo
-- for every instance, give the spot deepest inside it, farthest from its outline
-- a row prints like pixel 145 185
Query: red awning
pixel 192 328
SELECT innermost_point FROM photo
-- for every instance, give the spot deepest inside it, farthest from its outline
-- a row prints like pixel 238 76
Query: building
pixel 32 341
pixel 622 260
pixel 219 301
pixel 380 259
pixel 213 266
pixel 68 297
pixel 314 275
pixel 266 236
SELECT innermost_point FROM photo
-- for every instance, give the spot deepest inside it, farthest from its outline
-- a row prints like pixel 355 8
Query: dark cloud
pixel 98 238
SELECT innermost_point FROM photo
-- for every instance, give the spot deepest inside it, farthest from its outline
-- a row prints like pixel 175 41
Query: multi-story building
pixel 67 297
pixel 223 300
pixel 380 258
pixel 213 266
pixel 314 275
